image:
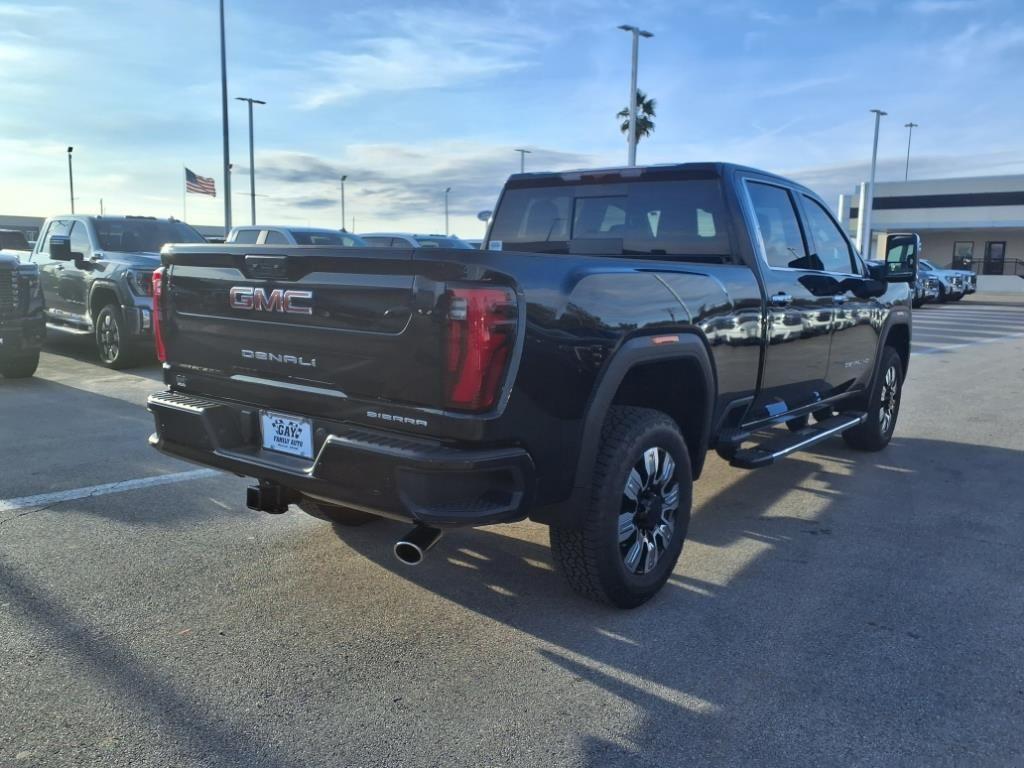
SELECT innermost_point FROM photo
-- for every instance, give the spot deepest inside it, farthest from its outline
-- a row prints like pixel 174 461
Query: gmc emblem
pixel 277 300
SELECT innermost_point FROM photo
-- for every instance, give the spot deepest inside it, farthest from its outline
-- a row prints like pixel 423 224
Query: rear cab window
pixel 680 214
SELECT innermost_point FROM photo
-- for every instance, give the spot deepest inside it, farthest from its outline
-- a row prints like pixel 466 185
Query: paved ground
pixel 839 609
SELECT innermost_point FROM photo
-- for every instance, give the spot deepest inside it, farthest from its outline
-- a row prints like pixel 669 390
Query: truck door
pixel 50 271
pixel 799 317
pixel 854 330
pixel 73 278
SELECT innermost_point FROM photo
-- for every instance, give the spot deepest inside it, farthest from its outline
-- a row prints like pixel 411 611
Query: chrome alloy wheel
pixel 889 400
pixel 110 338
pixel 648 513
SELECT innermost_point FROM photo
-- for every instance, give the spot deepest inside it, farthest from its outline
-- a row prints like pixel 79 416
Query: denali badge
pixel 271 357
pixel 277 300
pixel 396 419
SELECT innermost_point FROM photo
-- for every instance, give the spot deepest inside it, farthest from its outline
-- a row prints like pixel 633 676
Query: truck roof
pixel 625 171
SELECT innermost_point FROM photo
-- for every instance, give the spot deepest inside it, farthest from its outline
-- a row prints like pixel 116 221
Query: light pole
pixel 224 121
pixel 910 133
pixel 252 157
pixel 637 34
pixel 71 179
pixel 343 203
pixel 449 189
pixel 522 159
pixel 865 215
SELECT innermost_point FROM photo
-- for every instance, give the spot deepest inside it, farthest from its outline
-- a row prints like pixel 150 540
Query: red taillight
pixel 158 294
pixel 481 334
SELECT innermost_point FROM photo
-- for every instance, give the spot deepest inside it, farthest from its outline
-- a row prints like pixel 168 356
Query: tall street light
pixel 71 179
pixel 446 210
pixel 224 121
pixel 252 157
pixel 637 34
pixel 910 133
pixel 522 159
pixel 343 203
pixel 865 215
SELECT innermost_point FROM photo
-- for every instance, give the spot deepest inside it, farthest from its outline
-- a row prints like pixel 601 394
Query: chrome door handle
pixel 780 299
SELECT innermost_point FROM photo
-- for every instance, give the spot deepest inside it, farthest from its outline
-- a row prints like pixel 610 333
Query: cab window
pixel 80 240
pixel 246 236
pixel 779 226
pixel 833 250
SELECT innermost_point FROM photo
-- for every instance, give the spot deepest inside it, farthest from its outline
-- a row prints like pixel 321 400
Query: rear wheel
pixel 639 510
pixel 334 513
pixel 883 406
pixel 20 366
pixel 112 339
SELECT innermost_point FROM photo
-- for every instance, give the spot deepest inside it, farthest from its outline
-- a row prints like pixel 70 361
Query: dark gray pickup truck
pixel 22 326
pixel 617 325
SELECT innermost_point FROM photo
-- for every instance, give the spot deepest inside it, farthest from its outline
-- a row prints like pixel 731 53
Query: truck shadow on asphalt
pixel 810 609
pixel 83 350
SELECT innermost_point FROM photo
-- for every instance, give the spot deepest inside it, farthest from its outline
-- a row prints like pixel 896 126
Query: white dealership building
pixel 970 223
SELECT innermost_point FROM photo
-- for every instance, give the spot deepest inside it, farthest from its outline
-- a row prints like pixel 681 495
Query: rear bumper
pixel 391 475
pixel 21 335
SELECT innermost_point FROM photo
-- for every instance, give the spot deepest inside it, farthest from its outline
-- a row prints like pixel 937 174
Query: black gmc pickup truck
pixel 616 326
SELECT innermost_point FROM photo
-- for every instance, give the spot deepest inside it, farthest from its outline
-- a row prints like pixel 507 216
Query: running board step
pixel 787 442
pixel 69 329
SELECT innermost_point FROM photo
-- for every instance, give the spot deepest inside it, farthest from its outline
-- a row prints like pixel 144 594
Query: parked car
pixel 575 371
pixel 926 289
pixel 407 240
pixel 22 325
pixel 952 283
pixel 274 235
pixel 96 276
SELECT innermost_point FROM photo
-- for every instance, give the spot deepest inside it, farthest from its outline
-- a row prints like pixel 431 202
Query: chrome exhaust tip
pixel 411 548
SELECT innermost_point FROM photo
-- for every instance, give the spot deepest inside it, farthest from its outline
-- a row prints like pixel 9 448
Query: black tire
pixel 957 297
pixel 917 303
pixel 335 514
pixel 595 558
pixel 876 431
pixel 943 295
pixel 21 366
pixel 112 339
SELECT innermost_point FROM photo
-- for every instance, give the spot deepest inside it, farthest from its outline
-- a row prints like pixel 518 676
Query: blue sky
pixel 409 98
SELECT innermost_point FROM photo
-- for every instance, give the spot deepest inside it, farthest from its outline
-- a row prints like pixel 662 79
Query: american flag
pixel 199 185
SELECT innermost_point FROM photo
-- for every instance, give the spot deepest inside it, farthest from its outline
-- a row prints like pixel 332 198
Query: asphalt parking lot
pixel 839 609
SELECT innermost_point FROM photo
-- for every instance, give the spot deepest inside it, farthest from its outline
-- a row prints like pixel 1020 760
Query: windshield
pixel 926 266
pixel 142 235
pixel 441 242
pixel 678 217
pixel 326 237
pixel 13 240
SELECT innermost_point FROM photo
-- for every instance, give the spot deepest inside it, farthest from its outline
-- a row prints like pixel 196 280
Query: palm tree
pixel 645 107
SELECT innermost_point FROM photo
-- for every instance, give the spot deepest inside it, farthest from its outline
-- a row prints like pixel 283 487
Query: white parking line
pixel 47 499
pixel 948 347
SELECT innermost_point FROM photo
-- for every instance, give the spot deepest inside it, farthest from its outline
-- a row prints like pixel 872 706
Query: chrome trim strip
pixel 289 385
pixel 819 436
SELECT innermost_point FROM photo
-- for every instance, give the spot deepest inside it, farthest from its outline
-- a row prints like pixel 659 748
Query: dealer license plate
pixel 287 434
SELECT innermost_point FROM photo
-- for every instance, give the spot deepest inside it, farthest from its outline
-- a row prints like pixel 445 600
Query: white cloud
pixel 425 49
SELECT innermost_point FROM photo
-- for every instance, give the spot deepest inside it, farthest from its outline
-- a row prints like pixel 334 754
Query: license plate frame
pixel 287 434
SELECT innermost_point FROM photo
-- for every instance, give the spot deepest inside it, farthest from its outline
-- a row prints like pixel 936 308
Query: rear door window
pixel 275 238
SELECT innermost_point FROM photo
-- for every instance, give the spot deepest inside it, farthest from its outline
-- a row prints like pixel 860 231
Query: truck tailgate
pixel 351 322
